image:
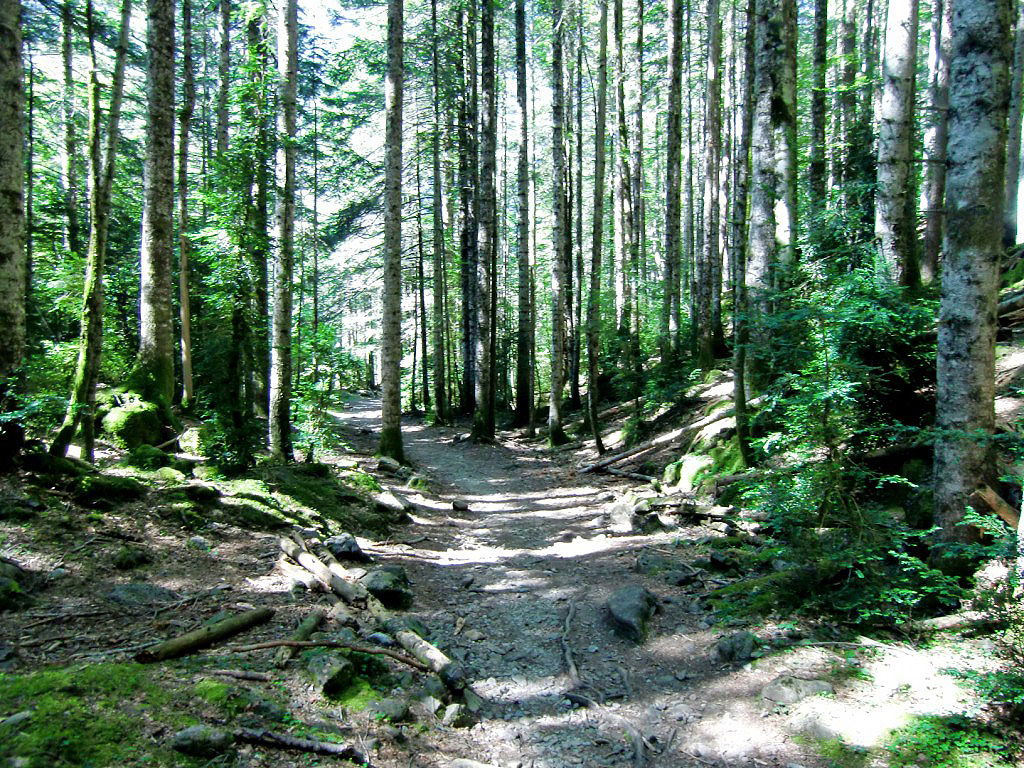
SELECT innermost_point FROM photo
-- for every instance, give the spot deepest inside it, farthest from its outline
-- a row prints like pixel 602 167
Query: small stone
pixel 681 578
pixel 786 689
pixel 395 733
pixel 456 716
pixel 202 741
pixel 738 647
pixel 473 702
pixel 390 585
pixel 58 573
pixel 394 710
pixel 382 639
pixel 345 547
pixel 630 609
pixel 460 506
pixel 475 635
pixel 15 720
pixel 198 542
pixel 388 466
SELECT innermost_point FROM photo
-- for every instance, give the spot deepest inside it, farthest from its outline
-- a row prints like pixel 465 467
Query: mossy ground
pixel 91 715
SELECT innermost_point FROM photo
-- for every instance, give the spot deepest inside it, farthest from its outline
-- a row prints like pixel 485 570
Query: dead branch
pixel 285 741
pixel 999 505
pixel 243 674
pixel 302 632
pixel 414 663
pixel 204 636
pixel 347 591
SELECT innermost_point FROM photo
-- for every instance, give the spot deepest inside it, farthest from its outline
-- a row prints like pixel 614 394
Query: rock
pixel 460 505
pixel 473 635
pixel 202 741
pixel 331 673
pixel 647 522
pixel 456 716
pixel 737 647
pixel 434 686
pixel 11 570
pixel 170 475
pixel 630 608
pixel 426 707
pixel 146 456
pixel 786 689
pixel 394 710
pixel 104 491
pixel 12 722
pixel 198 542
pixel 396 624
pixel 473 702
pixel 128 558
pixel 650 563
pixel 813 724
pixel 388 466
pixel 139 594
pixel 345 547
pixel 681 578
pixel 135 423
pixel 379 638
pixel 191 440
pixel 390 585
pixel 200 492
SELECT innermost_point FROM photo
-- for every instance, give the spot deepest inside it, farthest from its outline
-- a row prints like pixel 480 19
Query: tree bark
pixel 597 232
pixel 816 170
pixel 154 366
pixel 391 326
pixel 440 390
pixel 979 91
pixel 101 183
pixel 524 356
pixel 712 137
pixel 673 179
pixel 284 253
pixel 933 193
pixel 184 240
pixel 848 99
pixel 12 189
pixel 1012 174
pixel 556 433
pixel 894 215
pixel 74 237
pixel 224 78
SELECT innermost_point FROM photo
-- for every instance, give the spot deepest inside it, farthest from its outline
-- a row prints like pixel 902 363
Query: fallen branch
pixel 999 505
pixel 650 445
pixel 243 674
pixel 285 741
pixel 204 636
pixel 432 658
pixel 302 632
pixel 414 663
pixel 631 475
pixel 347 591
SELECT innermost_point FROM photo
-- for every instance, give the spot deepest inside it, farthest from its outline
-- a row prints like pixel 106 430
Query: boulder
pixel 202 741
pixel 736 647
pixel 388 466
pixel 145 456
pixel 331 673
pixel 630 609
pixel 134 424
pixel 390 585
pixel 394 710
pixel 140 594
pixel 345 547
pixel 104 491
pixel 170 475
pixel 787 689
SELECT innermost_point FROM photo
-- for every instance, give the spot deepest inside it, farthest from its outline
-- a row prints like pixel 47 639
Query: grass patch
pixel 952 741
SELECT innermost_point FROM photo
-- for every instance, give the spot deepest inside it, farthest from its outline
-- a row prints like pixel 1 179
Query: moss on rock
pixel 107 490
pixel 135 423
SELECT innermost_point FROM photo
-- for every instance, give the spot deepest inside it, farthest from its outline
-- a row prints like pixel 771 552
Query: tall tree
pixel 12 213
pixel 184 240
pixel 894 211
pixel 74 239
pixel 979 91
pixel 597 232
pixel 1012 182
pixel 487 227
pixel 284 253
pixel 391 326
pixel 673 180
pixel 712 147
pixel 524 330
pixel 154 366
pixel 437 329
pixel 559 309
pixel 224 77
pixel 816 171
pixel 934 187
pixel 102 159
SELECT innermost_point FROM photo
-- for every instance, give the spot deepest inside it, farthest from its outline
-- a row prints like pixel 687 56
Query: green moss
pixel 135 423
pixel 361 480
pixel 89 716
pixel 107 490
pixel 359 696
pixel 145 456
pixel 212 691
pixel 952 741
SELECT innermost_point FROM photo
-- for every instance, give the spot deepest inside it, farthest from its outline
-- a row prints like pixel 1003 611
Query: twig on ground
pixel 285 741
pixel 415 664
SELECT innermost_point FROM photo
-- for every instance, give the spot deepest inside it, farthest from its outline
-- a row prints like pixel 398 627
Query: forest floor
pixel 512 556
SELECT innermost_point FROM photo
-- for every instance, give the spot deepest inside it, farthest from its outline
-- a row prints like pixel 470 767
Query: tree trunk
pixel 12 214
pixel 101 183
pixel 224 78
pixel 284 254
pixel 154 366
pixel 440 391
pixel 848 99
pixel 470 215
pixel 673 176
pixel 184 241
pixel 894 214
pixel 816 171
pixel 487 229
pixel 933 194
pixel 74 237
pixel 524 361
pixel 556 433
pixel 712 138
pixel 597 233
pixel 624 198
pixel 965 387
pixel 1012 181
pixel 391 325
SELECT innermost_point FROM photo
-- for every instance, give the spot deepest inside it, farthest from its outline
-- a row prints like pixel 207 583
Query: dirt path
pixel 496 584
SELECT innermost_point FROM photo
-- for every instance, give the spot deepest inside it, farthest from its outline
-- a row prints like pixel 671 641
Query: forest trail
pixel 523 575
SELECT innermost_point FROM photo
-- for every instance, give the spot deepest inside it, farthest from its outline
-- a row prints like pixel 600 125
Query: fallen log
pixel 350 593
pixel 285 741
pixel 204 636
pixel 451 672
pixel 303 632
pixel 369 649
pixel 650 445
pixel 299 574
pixel 632 475
pixel 999 505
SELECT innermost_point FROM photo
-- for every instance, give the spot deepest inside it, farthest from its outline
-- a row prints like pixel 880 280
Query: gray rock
pixel 681 578
pixel 128 558
pixel 331 673
pixel 390 585
pixel 787 689
pixel 198 542
pixel 139 593
pixel 738 647
pixel 457 716
pixel 345 547
pixel 388 466
pixel 814 726
pixel 650 563
pixel 202 741
pixel 394 710
pixel 630 608
pixel 461 762
pixel 460 506
pixel 379 638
